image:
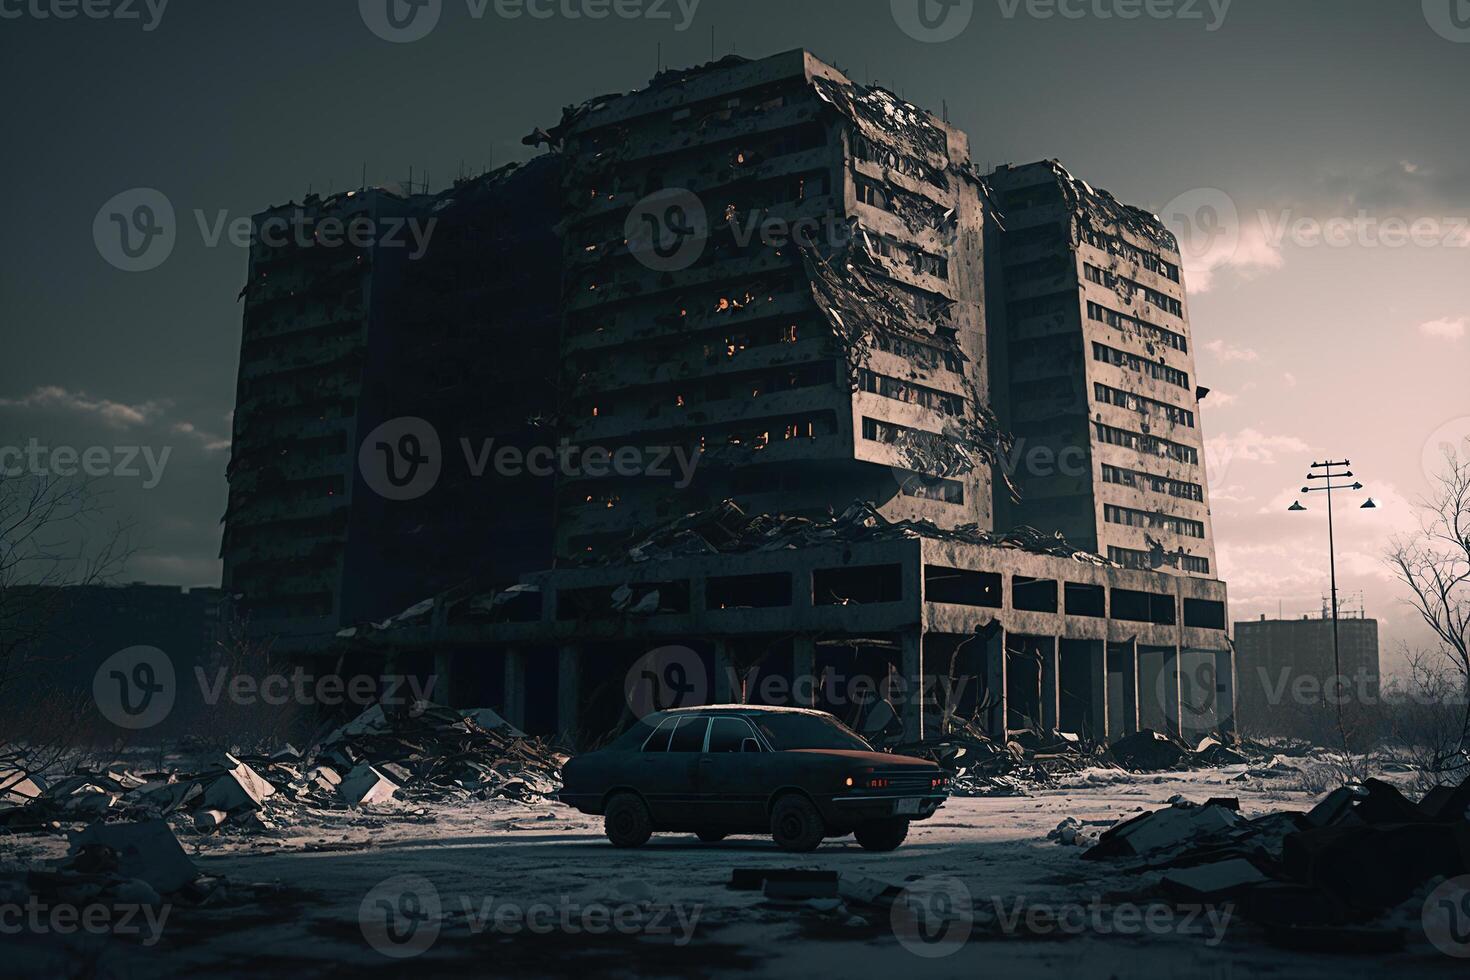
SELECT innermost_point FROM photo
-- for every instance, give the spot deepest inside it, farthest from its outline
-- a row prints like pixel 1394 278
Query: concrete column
pixel 803 670
pixel 1050 685
pixel 995 684
pixel 1129 707
pixel 1225 691
pixel 723 678
pixel 443 690
pixel 1097 653
pixel 1173 697
pixel 514 706
pixel 568 690
pixel 911 665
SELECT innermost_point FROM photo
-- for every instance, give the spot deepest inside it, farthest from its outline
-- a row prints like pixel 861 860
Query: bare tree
pixel 50 539
pixel 1434 562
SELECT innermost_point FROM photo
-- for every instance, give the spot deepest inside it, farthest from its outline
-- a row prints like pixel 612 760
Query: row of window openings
pixel 1149 481
pixel 1122 321
pixel 1142 404
pixel 1114 245
pixel 1146 561
pixel 1112 280
pixel 869 584
pixel 1146 444
pixel 810 375
pixel 1154 369
pixel 1128 516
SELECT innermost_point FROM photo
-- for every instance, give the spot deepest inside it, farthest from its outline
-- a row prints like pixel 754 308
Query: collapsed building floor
pixel 851 614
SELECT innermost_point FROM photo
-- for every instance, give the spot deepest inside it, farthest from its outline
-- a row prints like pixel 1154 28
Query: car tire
pixel 626 821
pixel 882 835
pixel 711 836
pixel 796 825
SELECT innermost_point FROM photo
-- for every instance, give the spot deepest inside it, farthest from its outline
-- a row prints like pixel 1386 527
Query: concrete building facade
pixel 343 341
pixel 1285 666
pixel 1094 372
pixel 820 339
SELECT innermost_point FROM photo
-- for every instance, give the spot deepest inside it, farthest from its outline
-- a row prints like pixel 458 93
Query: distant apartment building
pixel 822 337
pixel 1285 666
pixel 1093 372
pixel 410 321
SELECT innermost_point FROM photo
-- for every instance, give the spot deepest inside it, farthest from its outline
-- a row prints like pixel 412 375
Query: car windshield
pixel 803 731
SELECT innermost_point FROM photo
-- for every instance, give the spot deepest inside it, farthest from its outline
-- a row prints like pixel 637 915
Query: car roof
pixel 740 709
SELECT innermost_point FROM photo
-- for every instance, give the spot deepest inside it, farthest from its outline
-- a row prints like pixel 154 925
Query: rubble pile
pixel 1033 758
pixel 726 529
pixel 1330 878
pixel 426 753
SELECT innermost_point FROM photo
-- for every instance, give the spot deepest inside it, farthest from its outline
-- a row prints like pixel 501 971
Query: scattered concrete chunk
pixel 147 850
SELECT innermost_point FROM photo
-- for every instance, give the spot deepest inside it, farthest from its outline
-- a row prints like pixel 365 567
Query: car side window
pixel 689 736
pixel 727 734
pixel 659 740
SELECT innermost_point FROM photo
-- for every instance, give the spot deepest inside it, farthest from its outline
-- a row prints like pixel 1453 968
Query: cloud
pixel 1225 352
pixel 1289 379
pixel 210 442
pixel 1247 250
pixel 117 415
pixel 1219 399
pixel 1444 328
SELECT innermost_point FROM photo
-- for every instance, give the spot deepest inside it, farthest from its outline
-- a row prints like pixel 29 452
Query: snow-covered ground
pixel 509 889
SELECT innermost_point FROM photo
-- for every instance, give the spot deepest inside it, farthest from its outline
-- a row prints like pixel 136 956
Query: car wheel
pixel 711 836
pixel 882 835
pixel 626 821
pixel 796 825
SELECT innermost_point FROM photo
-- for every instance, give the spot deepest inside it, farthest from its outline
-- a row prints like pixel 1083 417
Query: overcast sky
pixel 1313 156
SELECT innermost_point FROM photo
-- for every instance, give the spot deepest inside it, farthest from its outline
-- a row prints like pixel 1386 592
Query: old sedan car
pixel 797 774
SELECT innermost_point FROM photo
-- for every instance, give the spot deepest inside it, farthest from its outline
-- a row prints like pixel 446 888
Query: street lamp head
pixel 1368 504
pixel 1306 489
pixel 1296 505
pixel 1357 486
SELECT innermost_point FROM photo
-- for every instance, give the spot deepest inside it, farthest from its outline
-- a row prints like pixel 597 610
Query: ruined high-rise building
pixel 778 272
pixel 362 310
pixel 1093 372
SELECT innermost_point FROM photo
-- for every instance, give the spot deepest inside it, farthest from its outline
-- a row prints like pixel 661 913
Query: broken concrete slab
pixel 366 786
pixel 147 850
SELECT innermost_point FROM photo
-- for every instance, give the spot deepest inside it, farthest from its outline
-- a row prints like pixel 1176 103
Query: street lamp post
pixel 1332 469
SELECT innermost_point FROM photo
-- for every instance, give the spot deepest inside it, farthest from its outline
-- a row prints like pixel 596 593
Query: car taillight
pixel 877 784
pixel 940 782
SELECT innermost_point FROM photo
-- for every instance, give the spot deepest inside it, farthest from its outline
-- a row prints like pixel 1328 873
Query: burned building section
pixel 338 340
pixel 823 340
pixel 1094 372
pixel 851 412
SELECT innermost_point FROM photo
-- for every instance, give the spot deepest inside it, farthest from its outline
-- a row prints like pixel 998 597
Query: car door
pixel 670 773
pixel 729 779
